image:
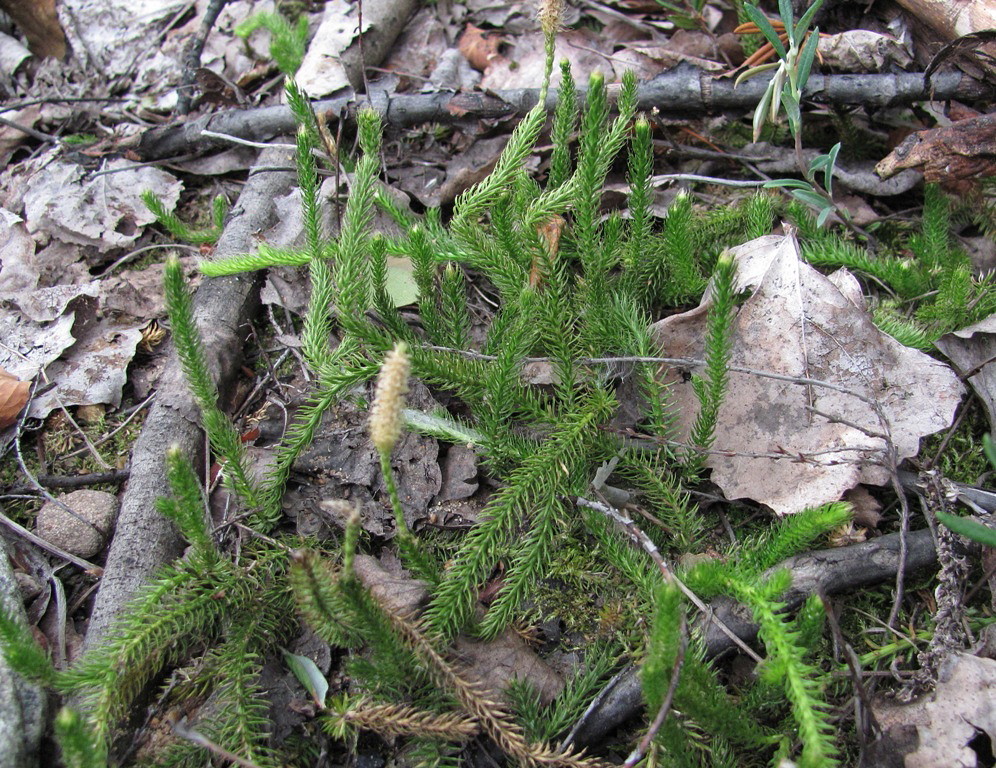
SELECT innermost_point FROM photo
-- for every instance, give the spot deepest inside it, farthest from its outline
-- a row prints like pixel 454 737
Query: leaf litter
pixel 785 412
pixel 793 446
pixel 973 350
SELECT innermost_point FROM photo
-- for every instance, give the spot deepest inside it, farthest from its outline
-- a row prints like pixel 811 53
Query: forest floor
pixel 120 107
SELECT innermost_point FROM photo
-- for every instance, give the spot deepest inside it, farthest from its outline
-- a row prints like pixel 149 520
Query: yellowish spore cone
pixel 392 386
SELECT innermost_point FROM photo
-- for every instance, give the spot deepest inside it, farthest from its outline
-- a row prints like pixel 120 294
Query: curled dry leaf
pixel 953 18
pixel 791 445
pixel 13 397
pixel 973 351
pixel 863 51
pixel 480 48
pixel 942 728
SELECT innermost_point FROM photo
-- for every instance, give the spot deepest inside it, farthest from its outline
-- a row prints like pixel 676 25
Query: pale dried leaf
pixel 864 51
pixel 974 349
pixel 523 63
pixel 114 36
pixel 27 347
pixel 322 72
pixel 93 371
pixel 18 272
pixel 648 60
pixel 104 211
pixel 135 296
pixel 419 47
pixel 45 304
pixel 947 721
pixel 10 137
pixel 800 323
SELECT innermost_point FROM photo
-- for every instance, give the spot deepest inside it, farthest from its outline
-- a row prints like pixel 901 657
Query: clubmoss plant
pixel 204 598
pixel 571 287
pixel 180 230
pixel 934 290
pixel 287 41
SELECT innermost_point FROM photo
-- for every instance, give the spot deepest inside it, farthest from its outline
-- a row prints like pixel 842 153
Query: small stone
pixel 84 533
pixel 90 414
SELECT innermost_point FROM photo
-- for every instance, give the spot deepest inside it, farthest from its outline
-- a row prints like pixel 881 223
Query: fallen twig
pixel 685 90
pixel 144 540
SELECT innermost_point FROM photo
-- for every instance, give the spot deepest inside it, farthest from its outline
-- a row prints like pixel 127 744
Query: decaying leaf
pixel 115 35
pixel 974 349
pixel 104 211
pixel 434 186
pixel 955 156
pixel 480 48
pixel 497 663
pixel 953 18
pixel 523 63
pixel 322 72
pixel 941 728
pixel 649 58
pixel 792 446
pixel 39 22
pixel 344 462
pixel 864 51
pixel 93 371
pixel 18 272
pixel 333 60
pixel 13 396
pixel 28 346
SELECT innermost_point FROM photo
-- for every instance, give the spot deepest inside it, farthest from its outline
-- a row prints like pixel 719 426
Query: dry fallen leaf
pixel 974 349
pixel 864 51
pixel 793 446
pixel 942 728
pixel 39 21
pixel 322 72
pixel 105 211
pixel 13 396
pixel 953 18
pixel 480 48
pixel 18 271
pixel 524 62
pixel 867 510
pixel 93 371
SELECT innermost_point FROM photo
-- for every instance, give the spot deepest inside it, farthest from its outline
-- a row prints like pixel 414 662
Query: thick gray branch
pixel 684 91
pixel 144 540
pixel 22 703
